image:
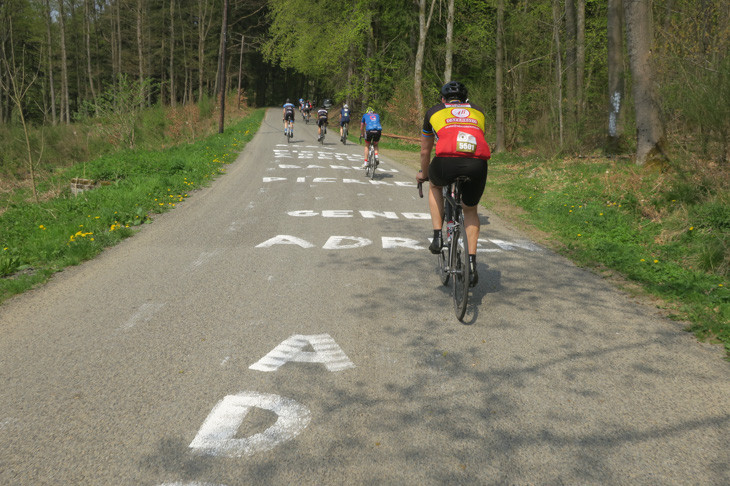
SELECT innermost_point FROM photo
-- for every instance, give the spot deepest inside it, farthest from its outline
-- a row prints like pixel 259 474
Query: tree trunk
pixel 224 33
pixel 113 43
pixel 580 56
pixel 87 33
pixel 570 65
pixel 173 98
pixel 140 57
pixel 50 63
pixel 449 42
pixel 205 21
pixel 615 73
pixel 65 106
pixel 639 38
pixel 499 78
pixel 118 33
pixel 240 72
pixel 366 75
pixel 558 69
pixel 423 25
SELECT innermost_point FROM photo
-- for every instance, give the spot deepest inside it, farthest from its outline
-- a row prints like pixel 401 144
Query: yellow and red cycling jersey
pixel 459 128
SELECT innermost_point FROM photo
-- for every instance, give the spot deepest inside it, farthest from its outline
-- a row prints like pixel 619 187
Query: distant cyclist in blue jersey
pixel 288 116
pixel 370 129
pixel 344 119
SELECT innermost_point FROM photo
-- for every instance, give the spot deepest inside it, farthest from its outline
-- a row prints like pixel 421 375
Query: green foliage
pixel 315 38
pixel 39 239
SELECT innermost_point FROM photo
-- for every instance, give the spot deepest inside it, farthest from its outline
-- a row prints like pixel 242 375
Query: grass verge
pixel 37 240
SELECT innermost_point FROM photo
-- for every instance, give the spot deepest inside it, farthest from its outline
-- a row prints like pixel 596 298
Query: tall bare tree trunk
pixel 570 65
pixel 558 69
pixel 240 73
pixel 65 106
pixel 50 62
pixel 224 34
pixel 140 55
pixel 113 44
pixel 449 42
pixel 172 54
pixel 205 16
pixel 615 73
pixel 118 32
pixel 423 25
pixel 499 78
pixel 87 34
pixel 639 39
pixel 366 75
pixel 580 56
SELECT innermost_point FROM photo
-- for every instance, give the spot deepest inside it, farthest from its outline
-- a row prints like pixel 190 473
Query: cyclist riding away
pixel 307 108
pixel 461 150
pixel 288 116
pixel 322 115
pixel 344 120
pixel 370 129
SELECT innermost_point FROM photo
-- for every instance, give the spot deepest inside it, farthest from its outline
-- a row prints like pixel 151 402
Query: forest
pixel 641 77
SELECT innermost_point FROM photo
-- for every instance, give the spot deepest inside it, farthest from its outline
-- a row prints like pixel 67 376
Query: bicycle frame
pixel 454 255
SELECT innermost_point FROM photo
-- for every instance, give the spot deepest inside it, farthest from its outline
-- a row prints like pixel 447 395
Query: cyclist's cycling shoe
pixel 435 246
pixel 365 165
pixel 377 161
pixel 473 275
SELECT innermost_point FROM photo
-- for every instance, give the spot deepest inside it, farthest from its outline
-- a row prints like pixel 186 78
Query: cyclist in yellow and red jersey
pixel 461 149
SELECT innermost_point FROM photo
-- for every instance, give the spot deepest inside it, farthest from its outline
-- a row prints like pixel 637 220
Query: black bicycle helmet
pixel 454 90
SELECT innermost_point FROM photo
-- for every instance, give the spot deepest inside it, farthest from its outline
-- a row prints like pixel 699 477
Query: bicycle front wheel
pixel 460 268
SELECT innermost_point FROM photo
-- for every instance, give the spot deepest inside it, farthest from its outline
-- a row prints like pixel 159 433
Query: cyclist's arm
pixel 426 147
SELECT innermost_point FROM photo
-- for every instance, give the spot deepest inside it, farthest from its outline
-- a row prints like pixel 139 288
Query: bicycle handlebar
pixel 420 187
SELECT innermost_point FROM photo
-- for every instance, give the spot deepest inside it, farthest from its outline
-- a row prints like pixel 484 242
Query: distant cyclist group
pixel 455 128
pixel 370 127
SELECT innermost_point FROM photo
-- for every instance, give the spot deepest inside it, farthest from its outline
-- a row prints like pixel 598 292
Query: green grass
pixel 37 240
pixel 668 232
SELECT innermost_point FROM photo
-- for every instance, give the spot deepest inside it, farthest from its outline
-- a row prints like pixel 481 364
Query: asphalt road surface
pixel 286 326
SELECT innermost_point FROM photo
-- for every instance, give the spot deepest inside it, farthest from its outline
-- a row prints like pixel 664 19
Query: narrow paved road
pixel 287 326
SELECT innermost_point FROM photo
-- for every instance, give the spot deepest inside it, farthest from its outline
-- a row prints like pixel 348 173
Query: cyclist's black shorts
pixel 321 121
pixel 289 115
pixel 343 121
pixel 372 136
pixel 444 170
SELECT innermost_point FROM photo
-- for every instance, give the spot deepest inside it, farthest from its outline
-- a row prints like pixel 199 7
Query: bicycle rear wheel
pixel 371 161
pixel 460 268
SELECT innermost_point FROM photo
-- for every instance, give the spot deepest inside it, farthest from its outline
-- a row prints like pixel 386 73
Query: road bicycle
pixel 289 131
pixel 454 256
pixel 324 131
pixel 344 134
pixel 371 162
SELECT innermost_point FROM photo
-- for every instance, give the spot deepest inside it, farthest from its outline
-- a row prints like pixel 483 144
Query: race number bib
pixel 466 143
